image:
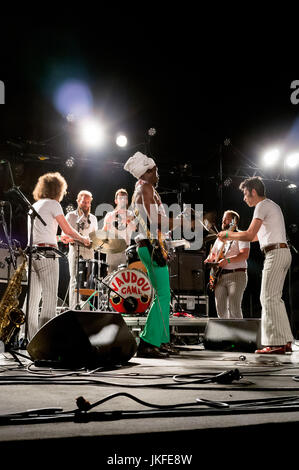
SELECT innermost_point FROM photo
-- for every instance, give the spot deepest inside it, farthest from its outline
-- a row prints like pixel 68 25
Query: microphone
pixel 4 203
pixel 80 219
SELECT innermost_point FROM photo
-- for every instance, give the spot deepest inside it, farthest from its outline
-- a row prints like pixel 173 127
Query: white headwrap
pixel 138 164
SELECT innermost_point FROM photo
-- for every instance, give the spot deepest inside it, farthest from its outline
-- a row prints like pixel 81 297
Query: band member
pixel 147 206
pixel 119 223
pixel 48 193
pixel 268 227
pixel 84 222
pixel 229 277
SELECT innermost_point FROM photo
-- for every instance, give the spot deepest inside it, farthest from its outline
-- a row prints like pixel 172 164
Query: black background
pixel 197 79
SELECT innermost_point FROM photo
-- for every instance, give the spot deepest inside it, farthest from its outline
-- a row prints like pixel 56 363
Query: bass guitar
pixel 215 272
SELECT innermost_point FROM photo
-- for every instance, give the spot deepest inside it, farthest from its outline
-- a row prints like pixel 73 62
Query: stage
pixel 166 425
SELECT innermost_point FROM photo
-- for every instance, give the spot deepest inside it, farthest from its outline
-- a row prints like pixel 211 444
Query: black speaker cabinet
pixel 242 335
pixel 187 272
pixel 81 338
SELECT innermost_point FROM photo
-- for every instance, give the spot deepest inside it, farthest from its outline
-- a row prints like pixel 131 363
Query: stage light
pixel 92 134
pixel 292 160
pixel 70 208
pixel 70 162
pixel 73 99
pixel 292 186
pixel 121 140
pixel 271 157
pixel 227 182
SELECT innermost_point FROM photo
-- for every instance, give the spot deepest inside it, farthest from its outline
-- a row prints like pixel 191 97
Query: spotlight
pixel 92 133
pixel 69 208
pixel 227 182
pixel 70 162
pixel 121 140
pixel 152 131
pixel 271 157
pixel 292 160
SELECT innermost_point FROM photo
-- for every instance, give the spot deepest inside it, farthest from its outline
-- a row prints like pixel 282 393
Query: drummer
pixel 119 222
pixel 84 222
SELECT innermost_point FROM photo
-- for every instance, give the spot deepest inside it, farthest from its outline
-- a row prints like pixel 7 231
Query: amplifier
pixel 194 304
pixel 187 272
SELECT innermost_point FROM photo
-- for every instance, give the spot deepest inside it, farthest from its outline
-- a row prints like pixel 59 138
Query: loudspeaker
pixel 187 272
pixel 242 335
pixel 81 338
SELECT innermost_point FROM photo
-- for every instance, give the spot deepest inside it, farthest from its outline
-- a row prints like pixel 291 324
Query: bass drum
pixel 132 291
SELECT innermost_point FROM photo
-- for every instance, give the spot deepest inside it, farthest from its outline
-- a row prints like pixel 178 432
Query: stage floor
pixel 121 427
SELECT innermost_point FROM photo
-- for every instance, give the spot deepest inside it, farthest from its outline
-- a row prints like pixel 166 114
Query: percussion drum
pixel 89 269
pixel 133 260
pixel 134 289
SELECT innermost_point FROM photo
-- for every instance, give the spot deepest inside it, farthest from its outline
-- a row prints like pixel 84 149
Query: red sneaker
pixel 287 348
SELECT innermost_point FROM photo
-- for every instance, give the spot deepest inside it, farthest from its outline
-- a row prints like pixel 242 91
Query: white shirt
pixel 272 229
pixel 48 209
pixel 119 223
pixel 233 248
pixel 84 229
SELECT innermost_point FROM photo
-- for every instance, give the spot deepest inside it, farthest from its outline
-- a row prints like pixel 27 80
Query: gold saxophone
pixel 12 317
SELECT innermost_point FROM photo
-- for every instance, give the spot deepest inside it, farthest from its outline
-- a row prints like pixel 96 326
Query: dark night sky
pixel 197 80
pixel 196 87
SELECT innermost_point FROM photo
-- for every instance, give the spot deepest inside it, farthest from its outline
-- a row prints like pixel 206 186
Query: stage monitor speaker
pixel 242 335
pixel 81 338
pixel 187 273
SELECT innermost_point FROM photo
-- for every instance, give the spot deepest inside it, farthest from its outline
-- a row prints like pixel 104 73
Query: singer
pixel 84 222
pixel 119 223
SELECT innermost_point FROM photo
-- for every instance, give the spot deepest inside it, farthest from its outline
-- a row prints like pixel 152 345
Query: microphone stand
pixel 4 225
pixel 79 226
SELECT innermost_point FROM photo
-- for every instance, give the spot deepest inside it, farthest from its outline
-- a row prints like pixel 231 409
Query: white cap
pixel 138 164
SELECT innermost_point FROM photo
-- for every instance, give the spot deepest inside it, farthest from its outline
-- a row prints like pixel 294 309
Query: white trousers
pixel 276 328
pixel 229 294
pixel 44 286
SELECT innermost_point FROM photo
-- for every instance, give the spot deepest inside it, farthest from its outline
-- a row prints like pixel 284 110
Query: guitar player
pixel 229 279
pixel 149 212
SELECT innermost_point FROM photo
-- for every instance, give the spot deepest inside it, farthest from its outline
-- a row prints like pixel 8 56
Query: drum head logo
pixel 134 289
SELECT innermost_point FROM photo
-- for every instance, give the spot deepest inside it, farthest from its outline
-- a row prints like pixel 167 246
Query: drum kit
pixel 126 290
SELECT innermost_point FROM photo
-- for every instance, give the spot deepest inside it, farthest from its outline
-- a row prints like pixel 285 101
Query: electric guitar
pixel 215 272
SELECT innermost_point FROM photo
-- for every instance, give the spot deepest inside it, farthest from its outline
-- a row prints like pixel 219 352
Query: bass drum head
pixel 132 291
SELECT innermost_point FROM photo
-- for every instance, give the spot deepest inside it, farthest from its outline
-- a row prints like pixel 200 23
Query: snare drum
pixel 133 260
pixel 132 291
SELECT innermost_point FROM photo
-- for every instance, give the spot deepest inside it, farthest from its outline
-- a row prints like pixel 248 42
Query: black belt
pixel 274 247
pixel 227 271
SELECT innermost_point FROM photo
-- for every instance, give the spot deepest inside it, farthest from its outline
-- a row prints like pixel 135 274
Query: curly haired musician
pixel 146 202
pixel 268 227
pixel 48 193
pixel 231 270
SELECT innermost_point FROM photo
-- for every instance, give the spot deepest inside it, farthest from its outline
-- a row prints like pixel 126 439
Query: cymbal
pixel 101 241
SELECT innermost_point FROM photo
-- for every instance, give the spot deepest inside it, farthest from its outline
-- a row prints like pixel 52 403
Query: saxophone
pixel 12 317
